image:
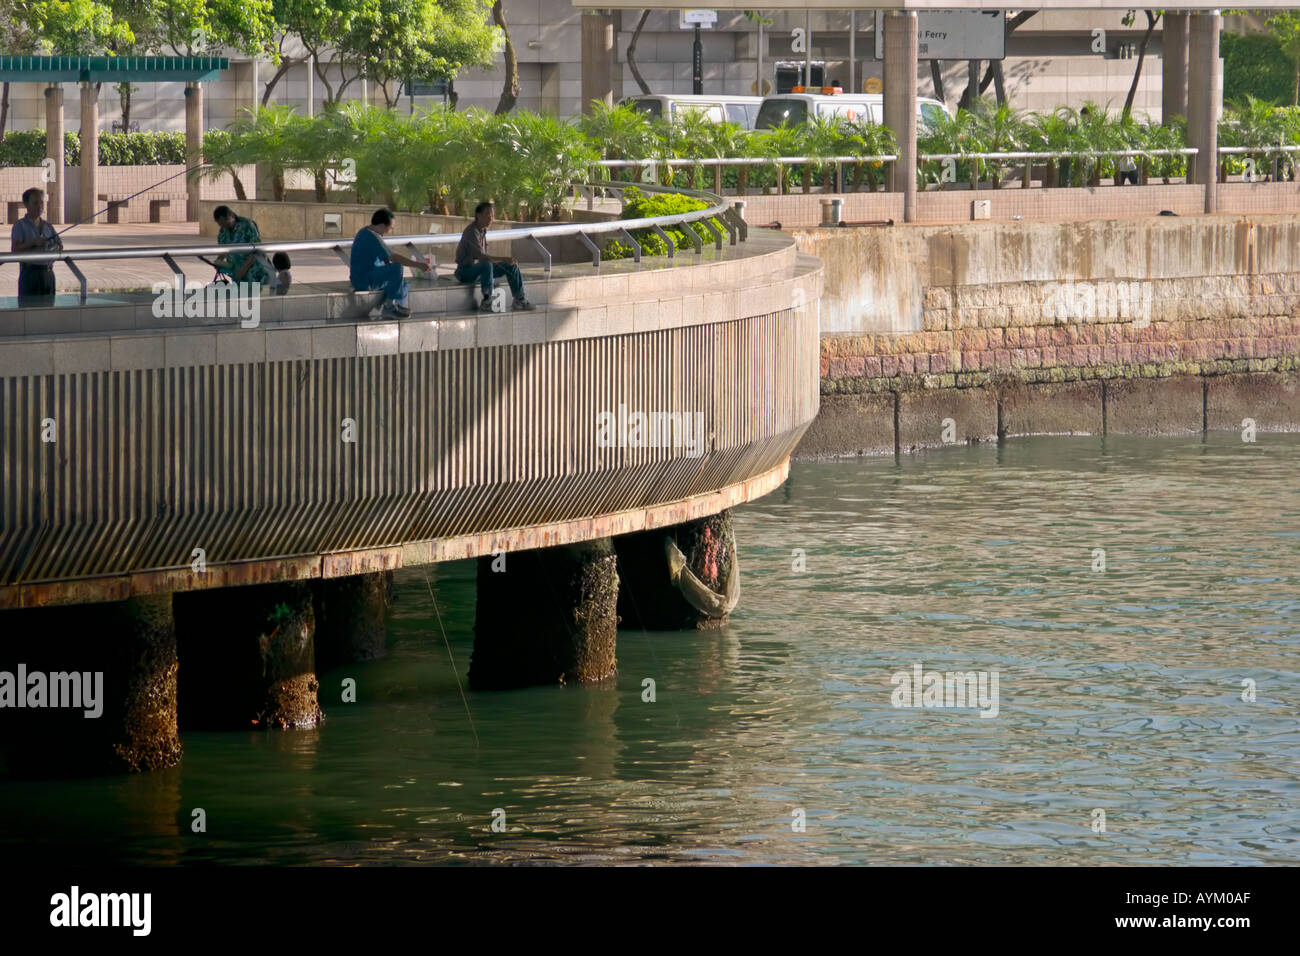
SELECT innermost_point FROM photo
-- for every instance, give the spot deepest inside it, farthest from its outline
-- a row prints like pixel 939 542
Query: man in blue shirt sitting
pixel 374 267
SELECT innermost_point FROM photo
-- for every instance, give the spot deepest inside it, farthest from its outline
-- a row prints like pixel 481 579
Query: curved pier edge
pixel 346 563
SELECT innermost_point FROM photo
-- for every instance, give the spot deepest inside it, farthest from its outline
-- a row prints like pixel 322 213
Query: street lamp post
pixel 697 63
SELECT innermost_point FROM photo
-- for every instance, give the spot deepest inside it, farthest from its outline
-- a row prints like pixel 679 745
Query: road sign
pixel 705 18
pixel 954 35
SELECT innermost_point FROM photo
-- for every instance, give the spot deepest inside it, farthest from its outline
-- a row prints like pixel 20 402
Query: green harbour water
pixel 1119 690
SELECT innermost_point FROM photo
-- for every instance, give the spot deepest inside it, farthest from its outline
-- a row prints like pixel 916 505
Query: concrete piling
pixel 98 688
pixel 652 597
pixel 546 616
pixel 247 657
pixel 350 618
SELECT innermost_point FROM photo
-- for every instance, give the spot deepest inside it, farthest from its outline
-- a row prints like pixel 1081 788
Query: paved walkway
pixel 117 275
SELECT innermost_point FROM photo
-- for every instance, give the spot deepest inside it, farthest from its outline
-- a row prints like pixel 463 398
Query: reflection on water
pixel 1119 689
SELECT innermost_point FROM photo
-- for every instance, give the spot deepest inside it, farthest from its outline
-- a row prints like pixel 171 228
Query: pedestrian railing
pixel 652 168
pixel 717 209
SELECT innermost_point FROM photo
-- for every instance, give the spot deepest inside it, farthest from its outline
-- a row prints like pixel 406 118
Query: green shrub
pixel 27 148
pixel 142 149
pixel 639 205
pixel 1255 65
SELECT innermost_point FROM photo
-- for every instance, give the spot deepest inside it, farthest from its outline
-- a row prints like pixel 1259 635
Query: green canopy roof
pixel 110 69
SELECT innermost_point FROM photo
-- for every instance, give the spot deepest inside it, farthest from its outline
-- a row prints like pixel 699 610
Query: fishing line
pixel 451 657
pixel 184 172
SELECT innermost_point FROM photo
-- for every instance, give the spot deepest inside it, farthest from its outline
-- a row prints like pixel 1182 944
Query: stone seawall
pixel 892 279
pixel 935 336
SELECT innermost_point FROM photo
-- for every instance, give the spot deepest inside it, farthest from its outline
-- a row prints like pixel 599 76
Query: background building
pixel 1049 62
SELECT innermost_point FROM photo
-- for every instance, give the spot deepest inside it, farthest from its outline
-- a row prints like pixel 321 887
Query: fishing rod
pixel 184 172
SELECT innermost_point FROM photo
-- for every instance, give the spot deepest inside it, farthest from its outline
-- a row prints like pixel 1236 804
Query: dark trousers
pixel 485 273
pixel 36 286
pixel 389 278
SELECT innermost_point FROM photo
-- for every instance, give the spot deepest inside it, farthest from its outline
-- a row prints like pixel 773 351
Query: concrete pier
pixel 546 616
pixel 653 597
pixel 89 150
pixel 1173 61
pixel 350 618
pixel 248 657
pixel 599 59
pixel 98 683
pixel 900 101
pixel 1203 103
pixel 54 149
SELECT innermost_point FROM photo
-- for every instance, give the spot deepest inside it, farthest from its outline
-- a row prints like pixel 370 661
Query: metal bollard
pixel 739 206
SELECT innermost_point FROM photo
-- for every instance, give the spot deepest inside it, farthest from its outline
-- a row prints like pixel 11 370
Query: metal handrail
pixel 1186 151
pixel 889 158
pixel 745 160
pixel 928 157
pixel 718 208
pixel 1238 150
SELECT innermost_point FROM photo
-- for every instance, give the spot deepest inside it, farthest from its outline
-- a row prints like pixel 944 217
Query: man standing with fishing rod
pixel 32 233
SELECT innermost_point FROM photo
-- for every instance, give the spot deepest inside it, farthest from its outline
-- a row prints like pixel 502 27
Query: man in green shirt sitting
pixel 236 230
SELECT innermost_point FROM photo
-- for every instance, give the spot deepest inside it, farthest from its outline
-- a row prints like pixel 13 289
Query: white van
pixel 741 110
pixel 801 107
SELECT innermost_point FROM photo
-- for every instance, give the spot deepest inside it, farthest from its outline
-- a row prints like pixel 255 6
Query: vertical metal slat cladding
pixel 248 461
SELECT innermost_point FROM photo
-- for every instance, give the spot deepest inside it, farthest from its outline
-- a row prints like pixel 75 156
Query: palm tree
pixel 1253 123
pixel 621 131
pixel 782 141
pixel 823 137
pixel 690 138
pixel 1095 132
pixel 1051 133
pixel 726 140
pixel 220 162
pixel 260 136
pixel 1171 134
pixel 1288 118
pixel 1001 130
pixel 952 134
pixel 865 138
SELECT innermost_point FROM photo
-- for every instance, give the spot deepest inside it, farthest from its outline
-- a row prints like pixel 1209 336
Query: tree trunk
pixel 631 54
pixel 1142 52
pixel 936 77
pixel 510 90
pixel 1295 86
pixel 452 96
pixel 971 93
pixel 4 109
pixel 124 94
pixel 995 74
pixel 285 64
pixel 330 95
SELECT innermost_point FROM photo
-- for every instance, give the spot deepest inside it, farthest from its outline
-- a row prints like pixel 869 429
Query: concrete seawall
pixel 940 335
